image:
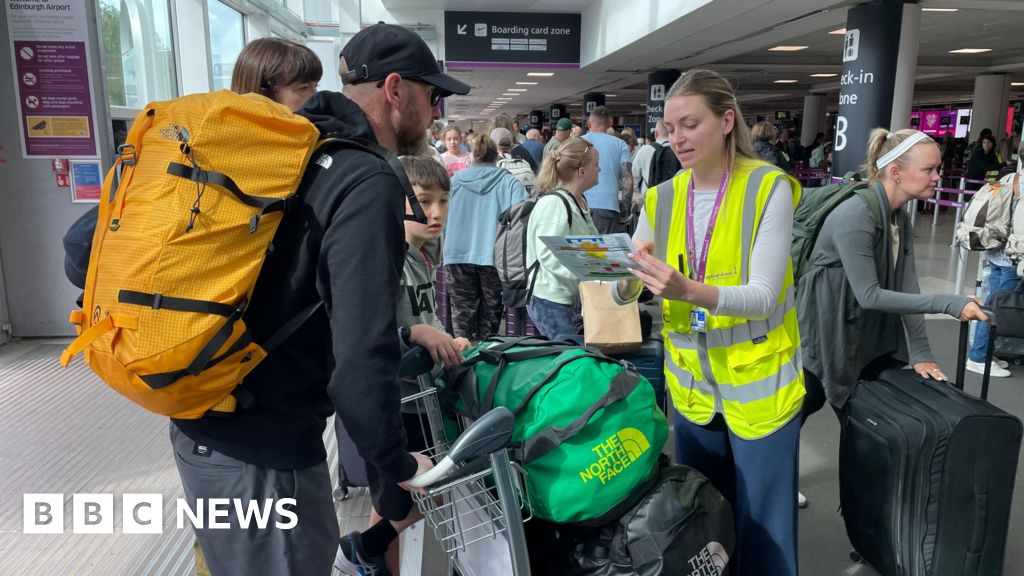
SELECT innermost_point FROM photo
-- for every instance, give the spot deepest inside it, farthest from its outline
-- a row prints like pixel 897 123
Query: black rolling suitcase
pixel 926 475
pixel 650 363
pixel 1009 306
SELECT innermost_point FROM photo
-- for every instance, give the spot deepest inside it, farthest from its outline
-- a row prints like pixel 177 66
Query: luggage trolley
pixel 476 499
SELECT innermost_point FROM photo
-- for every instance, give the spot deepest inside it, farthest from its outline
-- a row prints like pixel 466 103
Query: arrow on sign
pixel 461 29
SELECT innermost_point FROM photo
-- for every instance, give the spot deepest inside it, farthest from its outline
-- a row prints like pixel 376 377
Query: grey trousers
pixel 607 221
pixel 306 549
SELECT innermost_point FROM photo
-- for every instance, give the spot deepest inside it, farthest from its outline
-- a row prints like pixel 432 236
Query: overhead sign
pixel 49 42
pixel 511 39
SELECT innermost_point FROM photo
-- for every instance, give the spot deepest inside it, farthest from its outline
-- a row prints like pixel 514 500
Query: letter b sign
pixel 841 125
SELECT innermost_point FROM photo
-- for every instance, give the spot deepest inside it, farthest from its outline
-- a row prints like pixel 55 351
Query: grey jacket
pixel 855 303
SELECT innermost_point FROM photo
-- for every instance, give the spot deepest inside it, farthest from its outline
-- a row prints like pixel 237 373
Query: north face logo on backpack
pixel 175 132
pixel 710 561
pixel 615 455
pixel 324 161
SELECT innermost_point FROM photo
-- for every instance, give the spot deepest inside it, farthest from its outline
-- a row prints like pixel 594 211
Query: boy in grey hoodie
pixel 418 326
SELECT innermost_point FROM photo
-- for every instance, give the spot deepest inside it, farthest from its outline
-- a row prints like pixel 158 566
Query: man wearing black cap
pixel 345 248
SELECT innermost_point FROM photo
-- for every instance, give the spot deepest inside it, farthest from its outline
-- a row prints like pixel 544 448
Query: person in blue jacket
pixel 479 194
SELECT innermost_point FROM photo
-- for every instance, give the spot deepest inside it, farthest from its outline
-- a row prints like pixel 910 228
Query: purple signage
pixel 55 99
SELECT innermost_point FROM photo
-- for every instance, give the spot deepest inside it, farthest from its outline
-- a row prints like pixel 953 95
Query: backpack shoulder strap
pixel 568 207
pixel 867 193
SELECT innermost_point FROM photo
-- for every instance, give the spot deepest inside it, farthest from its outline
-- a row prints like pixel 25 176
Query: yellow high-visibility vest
pixel 751 370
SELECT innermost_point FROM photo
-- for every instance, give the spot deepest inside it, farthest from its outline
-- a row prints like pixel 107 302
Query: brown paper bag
pixel 611 328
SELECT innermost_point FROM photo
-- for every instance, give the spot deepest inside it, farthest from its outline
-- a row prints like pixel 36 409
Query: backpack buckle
pixel 127 154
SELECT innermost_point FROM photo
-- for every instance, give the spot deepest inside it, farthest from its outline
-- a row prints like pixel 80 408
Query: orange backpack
pixel 205 182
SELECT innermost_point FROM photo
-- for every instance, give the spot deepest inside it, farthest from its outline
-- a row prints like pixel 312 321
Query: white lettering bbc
pixel 144 513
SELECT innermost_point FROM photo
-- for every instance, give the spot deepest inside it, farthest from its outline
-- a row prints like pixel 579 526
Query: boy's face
pixel 434 202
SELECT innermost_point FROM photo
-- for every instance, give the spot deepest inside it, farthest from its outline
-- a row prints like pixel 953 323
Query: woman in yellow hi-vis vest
pixel 713 242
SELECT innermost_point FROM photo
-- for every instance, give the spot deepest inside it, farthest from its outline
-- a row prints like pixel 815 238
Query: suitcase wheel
pixel 855 556
pixel 1017 361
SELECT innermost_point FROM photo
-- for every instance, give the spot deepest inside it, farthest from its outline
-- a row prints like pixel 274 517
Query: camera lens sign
pixel 511 39
pixel 51 72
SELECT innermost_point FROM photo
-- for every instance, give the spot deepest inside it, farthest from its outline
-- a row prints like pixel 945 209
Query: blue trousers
pixel 1001 279
pixel 551 318
pixel 759 477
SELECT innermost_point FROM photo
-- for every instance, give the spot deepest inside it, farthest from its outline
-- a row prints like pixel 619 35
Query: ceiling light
pixel 788 48
pixel 940 9
pixel 970 50
pixel 517 89
pixel 541 74
pixel 510 94
pixel 610 95
pixel 526 83
pixel 839 32
pixel 785 82
pixel 1016 83
pixel 823 75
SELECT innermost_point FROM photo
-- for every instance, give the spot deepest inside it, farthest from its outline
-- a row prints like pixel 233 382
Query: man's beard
pixel 411 139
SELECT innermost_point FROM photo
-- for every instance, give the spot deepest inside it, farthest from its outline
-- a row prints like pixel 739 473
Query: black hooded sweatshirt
pixel 346 246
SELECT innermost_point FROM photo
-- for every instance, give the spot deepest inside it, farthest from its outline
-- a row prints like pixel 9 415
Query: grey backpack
pixel 510 252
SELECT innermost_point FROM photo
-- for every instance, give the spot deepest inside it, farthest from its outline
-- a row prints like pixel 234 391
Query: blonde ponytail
pixel 562 163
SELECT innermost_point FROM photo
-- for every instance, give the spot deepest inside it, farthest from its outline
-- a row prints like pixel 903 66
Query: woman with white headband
pixel 861 294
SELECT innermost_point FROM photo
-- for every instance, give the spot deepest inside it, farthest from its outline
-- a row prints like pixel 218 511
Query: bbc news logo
pixel 144 513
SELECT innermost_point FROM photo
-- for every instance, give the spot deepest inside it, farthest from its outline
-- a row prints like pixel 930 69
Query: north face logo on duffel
pixel 710 561
pixel 615 455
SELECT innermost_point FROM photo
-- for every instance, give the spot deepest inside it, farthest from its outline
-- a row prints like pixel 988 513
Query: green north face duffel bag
pixel 588 428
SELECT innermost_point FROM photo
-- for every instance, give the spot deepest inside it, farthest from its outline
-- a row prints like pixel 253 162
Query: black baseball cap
pixel 381 49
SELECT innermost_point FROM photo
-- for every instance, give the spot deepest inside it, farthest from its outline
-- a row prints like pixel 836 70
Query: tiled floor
pixel 62 431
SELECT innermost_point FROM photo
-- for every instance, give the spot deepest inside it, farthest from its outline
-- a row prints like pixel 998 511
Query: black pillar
pixel 592 100
pixel 558 111
pixel 536 119
pixel 867 86
pixel 658 83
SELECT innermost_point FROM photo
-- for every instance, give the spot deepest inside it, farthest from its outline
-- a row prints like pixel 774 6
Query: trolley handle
pixel 489 433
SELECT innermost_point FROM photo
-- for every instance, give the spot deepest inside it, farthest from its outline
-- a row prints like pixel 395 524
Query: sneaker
pixel 997 371
pixel 1002 363
pixel 353 561
pixel 801 500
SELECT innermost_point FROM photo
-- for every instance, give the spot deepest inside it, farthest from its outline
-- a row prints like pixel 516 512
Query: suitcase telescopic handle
pixel 963 352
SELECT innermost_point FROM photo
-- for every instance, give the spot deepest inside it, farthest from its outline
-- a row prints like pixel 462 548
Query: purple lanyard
pixel 690 240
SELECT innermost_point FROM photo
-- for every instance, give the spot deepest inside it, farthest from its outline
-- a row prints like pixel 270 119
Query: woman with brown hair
pixel 479 194
pixel 284 71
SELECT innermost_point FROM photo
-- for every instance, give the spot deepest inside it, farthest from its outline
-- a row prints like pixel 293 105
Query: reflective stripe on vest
pixel 749 392
pixel 746 332
pixel 726 368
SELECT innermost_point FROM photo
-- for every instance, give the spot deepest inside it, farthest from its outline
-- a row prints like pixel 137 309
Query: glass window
pixel 227 38
pixel 139 52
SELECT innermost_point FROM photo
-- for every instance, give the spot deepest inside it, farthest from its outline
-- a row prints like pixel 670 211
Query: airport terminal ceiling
pixel 736 37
